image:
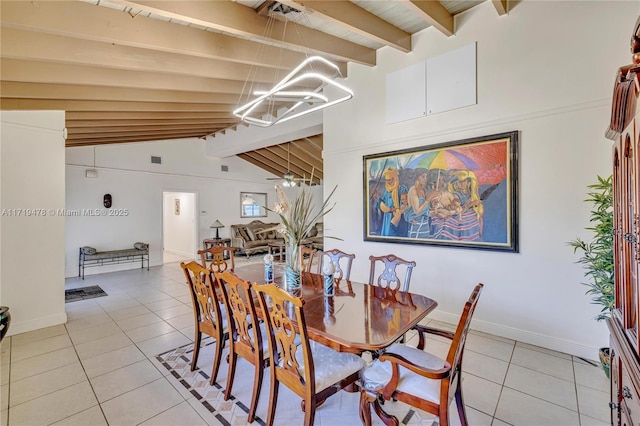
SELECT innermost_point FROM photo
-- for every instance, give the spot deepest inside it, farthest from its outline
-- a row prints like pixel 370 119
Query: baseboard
pixel 524 336
pixel 36 324
pixel 179 253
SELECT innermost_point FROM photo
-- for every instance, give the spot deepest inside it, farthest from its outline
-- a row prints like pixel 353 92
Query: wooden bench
pixel 90 257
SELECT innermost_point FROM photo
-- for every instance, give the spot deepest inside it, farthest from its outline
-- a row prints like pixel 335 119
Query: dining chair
pixel 307 255
pixel 425 381
pixel 207 313
pixel 311 370
pixel 341 260
pixel 247 334
pixel 214 259
pixel 388 275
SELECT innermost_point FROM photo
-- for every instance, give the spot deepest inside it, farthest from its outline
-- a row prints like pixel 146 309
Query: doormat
pixel 83 293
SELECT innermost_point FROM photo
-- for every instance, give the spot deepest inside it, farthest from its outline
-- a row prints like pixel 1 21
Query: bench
pixel 90 257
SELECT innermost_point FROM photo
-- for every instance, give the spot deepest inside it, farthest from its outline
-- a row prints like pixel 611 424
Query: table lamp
pixel 217 225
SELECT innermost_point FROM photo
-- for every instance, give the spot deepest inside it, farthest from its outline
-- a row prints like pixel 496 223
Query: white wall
pixel 546 69
pixel 32 243
pixel 125 172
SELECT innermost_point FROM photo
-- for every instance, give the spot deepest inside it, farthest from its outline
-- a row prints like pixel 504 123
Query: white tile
pixel 544 350
pixel 102 345
pixel 543 362
pixel 589 421
pixel 87 322
pixel 38 335
pixel 110 361
pixel 138 321
pixel 480 394
pixel 40 364
pixel 149 331
pixel 117 382
pixel 4 397
pixel 485 345
pixel 517 408
pixel 484 366
pixel 543 386
pixel 4 418
pixel 5 350
pixel 31 349
pixel 163 343
pixel 163 304
pixel 182 414
pixel 142 403
pixel 182 321
pixel 474 417
pixel 593 377
pixel 594 403
pixel 50 381
pixel 91 417
pixel 85 335
pixel 4 374
pixel 174 311
pixel 129 312
pixel 54 406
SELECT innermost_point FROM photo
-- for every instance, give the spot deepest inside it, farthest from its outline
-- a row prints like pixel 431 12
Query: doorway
pixel 179 219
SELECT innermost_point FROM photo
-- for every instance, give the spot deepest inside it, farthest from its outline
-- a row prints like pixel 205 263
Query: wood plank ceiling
pixel 133 71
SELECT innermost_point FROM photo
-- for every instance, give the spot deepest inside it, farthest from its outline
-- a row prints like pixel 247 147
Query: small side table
pixel 279 247
pixel 213 242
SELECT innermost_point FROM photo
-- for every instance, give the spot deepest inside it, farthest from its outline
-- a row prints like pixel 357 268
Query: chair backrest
pixel 214 258
pixel 238 299
pixel 206 304
pixel 456 350
pixel 388 276
pixel 280 310
pixel 340 259
pixel 306 257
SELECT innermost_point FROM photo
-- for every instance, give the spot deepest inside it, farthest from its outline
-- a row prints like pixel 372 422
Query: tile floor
pixel 100 368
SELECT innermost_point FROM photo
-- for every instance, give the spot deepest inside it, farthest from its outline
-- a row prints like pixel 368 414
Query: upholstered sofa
pixel 315 237
pixel 253 237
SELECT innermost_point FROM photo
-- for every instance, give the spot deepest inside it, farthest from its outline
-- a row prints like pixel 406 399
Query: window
pixel 252 204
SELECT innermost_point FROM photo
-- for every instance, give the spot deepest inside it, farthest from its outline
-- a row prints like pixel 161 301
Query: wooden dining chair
pixel 214 259
pixel 207 313
pixel 247 334
pixel 311 370
pixel 388 272
pixel 425 381
pixel 307 255
pixel 341 260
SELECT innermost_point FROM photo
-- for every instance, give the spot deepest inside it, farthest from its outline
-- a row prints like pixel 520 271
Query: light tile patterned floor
pixel 101 368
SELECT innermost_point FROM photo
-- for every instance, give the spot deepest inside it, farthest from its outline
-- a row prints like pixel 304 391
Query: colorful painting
pixel 457 194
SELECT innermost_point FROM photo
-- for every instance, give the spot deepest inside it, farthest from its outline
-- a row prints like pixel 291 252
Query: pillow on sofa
pixel 89 250
pixel 312 232
pixel 271 235
pixel 244 235
pixel 260 234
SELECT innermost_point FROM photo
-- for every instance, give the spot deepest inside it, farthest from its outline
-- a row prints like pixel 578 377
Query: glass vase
pixel 293 278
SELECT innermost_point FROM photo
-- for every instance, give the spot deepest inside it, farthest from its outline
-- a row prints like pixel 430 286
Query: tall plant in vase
pixel 597 255
pixel 297 219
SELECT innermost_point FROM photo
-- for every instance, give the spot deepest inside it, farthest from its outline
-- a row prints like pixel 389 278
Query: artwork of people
pixel 462 192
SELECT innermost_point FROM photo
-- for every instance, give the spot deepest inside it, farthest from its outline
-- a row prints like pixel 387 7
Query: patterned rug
pixel 235 412
pixel 83 293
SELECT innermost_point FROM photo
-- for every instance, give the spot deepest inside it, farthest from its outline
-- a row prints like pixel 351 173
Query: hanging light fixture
pixel 301 92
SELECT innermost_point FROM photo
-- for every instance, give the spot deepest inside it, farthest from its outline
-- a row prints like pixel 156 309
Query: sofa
pixel 315 238
pixel 253 238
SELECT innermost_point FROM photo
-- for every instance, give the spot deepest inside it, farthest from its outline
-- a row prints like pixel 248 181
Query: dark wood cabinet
pixel 624 130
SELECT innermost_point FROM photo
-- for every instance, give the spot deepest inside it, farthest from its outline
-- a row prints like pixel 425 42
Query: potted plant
pixel 597 255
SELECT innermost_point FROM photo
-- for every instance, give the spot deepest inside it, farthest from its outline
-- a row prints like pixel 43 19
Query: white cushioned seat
pixel 379 373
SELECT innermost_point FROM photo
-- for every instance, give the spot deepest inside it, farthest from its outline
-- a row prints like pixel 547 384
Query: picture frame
pixel 253 204
pixel 461 194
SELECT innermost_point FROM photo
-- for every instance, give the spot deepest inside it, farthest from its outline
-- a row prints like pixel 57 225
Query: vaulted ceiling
pixel 132 71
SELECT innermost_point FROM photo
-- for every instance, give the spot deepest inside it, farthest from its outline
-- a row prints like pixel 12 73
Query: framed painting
pixel 461 194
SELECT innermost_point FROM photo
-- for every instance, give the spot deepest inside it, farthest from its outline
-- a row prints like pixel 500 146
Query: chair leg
pixel 196 348
pixel 257 385
pixel 309 412
pixel 365 408
pixel 462 413
pixel 216 360
pixel 273 399
pixel 231 359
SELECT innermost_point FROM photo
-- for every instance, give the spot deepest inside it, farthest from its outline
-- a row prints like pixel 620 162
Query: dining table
pixel 359 316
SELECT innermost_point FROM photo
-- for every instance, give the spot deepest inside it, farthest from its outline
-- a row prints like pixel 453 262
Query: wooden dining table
pixel 359 317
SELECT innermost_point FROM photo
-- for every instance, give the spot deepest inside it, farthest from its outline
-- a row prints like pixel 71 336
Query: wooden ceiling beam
pixel 27 45
pixel 93 22
pixel 501 6
pixel 432 12
pixel 261 162
pixel 132 138
pixel 273 158
pixel 97 124
pixel 357 20
pixel 286 152
pixel 310 158
pixel 144 115
pixel 10 89
pixel 73 105
pixel 242 21
pixel 34 71
pixel 205 128
pixel 158 134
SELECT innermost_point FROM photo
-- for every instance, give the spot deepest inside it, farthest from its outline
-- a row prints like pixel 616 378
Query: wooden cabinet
pixel 624 130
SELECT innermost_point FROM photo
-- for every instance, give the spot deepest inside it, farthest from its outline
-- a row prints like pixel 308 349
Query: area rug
pixel 234 411
pixel 83 293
